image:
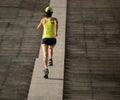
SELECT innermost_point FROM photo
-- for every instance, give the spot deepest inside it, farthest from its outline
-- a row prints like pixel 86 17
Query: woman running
pixel 50 25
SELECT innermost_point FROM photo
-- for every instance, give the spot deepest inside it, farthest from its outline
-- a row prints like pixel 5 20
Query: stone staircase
pixel 19 45
pixel 92 67
pixel 92 57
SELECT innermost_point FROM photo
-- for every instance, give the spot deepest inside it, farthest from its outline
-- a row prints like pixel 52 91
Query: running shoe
pixel 50 62
pixel 46 72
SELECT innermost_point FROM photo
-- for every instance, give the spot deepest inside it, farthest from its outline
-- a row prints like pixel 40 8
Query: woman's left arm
pixel 56 27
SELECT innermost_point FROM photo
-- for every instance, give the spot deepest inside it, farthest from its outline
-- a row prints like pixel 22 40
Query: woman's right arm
pixel 40 25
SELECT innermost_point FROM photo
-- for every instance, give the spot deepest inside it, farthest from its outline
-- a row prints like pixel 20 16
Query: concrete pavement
pixel 52 88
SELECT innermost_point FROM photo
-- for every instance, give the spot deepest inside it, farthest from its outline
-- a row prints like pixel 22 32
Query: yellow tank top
pixel 48 29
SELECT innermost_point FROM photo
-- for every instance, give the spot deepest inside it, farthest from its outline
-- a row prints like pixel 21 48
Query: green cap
pixel 48 9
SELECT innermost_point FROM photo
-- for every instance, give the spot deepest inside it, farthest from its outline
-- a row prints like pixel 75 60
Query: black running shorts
pixel 49 41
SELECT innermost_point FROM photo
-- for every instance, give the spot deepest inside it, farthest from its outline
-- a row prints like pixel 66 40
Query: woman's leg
pixel 45 55
pixel 51 51
pixel 50 63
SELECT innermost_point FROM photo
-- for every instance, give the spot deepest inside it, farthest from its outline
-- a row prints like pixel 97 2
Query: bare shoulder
pixel 43 20
pixel 55 19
